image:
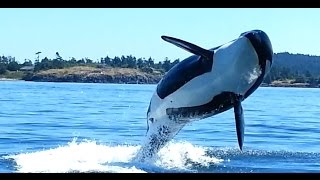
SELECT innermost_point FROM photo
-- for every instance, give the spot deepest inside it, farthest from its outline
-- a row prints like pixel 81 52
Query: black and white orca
pixel 205 84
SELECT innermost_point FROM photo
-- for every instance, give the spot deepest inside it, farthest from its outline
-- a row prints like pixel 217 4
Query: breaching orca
pixel 205 84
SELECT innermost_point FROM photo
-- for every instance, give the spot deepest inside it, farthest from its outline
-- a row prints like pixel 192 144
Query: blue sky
pixel 96 33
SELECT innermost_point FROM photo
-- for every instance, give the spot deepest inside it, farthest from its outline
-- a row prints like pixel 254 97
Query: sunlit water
pixel 78 127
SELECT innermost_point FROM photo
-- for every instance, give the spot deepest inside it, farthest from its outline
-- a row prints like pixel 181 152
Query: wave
pixel 90 156
pixel 182 157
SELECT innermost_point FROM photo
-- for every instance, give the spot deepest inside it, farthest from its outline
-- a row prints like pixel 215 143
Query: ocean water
pixel 82 127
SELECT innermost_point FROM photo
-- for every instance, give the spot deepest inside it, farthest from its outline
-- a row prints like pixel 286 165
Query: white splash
pixel 84 157
pixel 88 156
pixel 184 155
pixel 253 75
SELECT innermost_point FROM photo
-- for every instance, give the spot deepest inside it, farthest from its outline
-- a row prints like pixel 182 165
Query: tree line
pixel 9 63
pixel 301 68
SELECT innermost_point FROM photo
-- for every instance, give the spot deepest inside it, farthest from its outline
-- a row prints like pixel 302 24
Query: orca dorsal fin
pixel 189 47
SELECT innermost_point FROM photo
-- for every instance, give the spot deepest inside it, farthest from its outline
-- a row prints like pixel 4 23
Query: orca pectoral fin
pixel 189 47
pixel 238 114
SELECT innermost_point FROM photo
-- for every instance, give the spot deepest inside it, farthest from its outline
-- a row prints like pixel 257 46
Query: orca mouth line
pixel 218 104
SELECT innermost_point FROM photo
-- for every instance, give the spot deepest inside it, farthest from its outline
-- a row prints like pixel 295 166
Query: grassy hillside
pixel 91 74
pixel 89 70
pixel 13 75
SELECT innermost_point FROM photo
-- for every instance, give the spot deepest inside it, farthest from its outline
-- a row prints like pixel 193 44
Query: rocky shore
pixel 290 83
pixel 8 79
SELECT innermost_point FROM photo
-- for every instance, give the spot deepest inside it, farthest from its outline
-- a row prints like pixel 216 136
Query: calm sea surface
pixel 79 127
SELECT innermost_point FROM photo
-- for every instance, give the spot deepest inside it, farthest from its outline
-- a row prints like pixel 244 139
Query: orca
pixel 207 83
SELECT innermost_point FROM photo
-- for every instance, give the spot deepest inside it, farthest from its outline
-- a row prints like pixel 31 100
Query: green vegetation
pixel 296 67
pixel 287 68
pixel 13 75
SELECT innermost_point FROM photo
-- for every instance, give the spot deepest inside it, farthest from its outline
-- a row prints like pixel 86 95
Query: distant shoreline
pixel 294 85
pixel 84 74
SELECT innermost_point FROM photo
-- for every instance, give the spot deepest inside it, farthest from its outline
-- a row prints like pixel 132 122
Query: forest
pixel 286 66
